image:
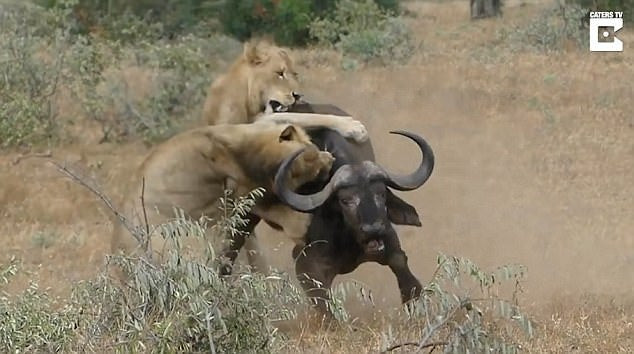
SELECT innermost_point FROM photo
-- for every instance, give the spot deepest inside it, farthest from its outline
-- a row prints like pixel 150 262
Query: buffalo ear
pixel 400 212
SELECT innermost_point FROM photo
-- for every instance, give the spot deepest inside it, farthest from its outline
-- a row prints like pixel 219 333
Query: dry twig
pixel 75 177
pixel 46 153
pixel 431 345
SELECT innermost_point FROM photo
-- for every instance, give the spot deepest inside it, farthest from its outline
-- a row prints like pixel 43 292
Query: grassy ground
pixel 535 162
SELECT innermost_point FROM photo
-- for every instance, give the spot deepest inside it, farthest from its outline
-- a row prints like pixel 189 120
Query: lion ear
pixel 254 52
pixel 288 133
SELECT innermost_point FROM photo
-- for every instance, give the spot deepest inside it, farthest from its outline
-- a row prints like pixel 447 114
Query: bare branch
pixel 46 153
pixel 74 176
pixel 432 345
pixel 147 225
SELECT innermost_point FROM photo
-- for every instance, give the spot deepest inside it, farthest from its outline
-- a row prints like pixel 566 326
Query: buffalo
pixel 353 211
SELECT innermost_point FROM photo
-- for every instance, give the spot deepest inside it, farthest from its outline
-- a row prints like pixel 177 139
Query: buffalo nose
pixel 373 229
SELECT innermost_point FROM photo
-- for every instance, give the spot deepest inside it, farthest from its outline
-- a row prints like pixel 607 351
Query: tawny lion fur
pixel 191 170
pixel 264 73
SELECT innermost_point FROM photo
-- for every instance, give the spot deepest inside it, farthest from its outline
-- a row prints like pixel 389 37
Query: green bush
pixel 181 304
pixel 549 30
pixel 130 20
pixel 288 21
pixel 31 61
pixel 627 6
pixel 362 30
pixel 179 73
pixel 474 316
pixel 41 61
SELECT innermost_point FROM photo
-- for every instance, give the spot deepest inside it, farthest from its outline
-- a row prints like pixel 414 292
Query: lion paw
pixel 311 165
pixel 354 129
pixel 326 160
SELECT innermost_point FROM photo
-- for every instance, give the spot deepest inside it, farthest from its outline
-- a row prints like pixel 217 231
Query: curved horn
pixel 422 173
pixel 299 202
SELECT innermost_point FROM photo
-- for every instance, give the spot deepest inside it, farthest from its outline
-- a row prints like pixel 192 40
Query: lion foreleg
pixel 344 125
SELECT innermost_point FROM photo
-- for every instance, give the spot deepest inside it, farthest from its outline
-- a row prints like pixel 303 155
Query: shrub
pixel 136 19
pixel 627 6
pixel 179 73
pixel 549 30
pixel 181 304
pixel 31 60
pixel 462 310
pixel 288 21
pixel 362 30
pixel 32 321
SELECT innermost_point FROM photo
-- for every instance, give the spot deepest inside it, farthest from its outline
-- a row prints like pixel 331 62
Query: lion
pixel 192 170
pixel 264 80
pixel 261 85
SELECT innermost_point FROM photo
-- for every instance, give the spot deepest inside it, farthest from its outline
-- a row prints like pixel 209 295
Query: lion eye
pixel 280 74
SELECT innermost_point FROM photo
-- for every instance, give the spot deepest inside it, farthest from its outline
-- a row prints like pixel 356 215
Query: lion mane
pixel 263 73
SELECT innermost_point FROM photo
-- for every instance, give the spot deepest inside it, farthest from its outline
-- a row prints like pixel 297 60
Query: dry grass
pixel 535 156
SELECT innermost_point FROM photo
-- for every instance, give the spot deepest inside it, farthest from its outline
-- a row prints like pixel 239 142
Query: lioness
pixel 191 170
pixel 264 77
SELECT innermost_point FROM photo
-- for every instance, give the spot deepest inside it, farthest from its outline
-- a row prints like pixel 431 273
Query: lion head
pixel 264 75
pixel 278 141
pixel 273 79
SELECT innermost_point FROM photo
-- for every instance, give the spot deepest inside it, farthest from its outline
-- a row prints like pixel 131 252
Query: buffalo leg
pixel 235 243
pixel 396 259
pixel 314 275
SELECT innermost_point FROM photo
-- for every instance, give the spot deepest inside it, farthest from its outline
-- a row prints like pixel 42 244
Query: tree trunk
pixel 485 8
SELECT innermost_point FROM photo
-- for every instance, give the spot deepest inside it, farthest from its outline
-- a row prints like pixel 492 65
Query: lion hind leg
pixel 257 260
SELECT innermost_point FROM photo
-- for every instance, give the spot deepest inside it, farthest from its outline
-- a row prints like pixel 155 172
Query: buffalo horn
pixel 299 202
pixel 418 177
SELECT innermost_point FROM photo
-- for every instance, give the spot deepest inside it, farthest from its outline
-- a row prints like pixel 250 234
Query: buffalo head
pixel 360 191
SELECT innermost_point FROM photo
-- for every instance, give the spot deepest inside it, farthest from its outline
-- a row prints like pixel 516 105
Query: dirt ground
pixel 534 165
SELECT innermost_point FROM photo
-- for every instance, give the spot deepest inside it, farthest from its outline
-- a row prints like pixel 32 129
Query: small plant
pixel 32 321
pixel 363 31
pixel 549 30
pixel 42 239
pixel 461 310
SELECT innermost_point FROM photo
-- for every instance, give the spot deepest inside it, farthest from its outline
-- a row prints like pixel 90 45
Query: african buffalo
pixel 352 212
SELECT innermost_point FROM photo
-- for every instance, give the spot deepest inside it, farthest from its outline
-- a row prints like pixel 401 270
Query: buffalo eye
pixel 347 201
